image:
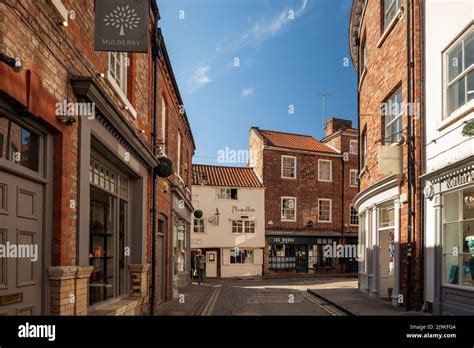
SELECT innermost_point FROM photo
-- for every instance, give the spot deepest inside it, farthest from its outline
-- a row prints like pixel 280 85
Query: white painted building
pixel 449 167
pixel 231 230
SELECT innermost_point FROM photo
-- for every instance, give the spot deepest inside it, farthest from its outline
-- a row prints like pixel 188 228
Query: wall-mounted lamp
pixel 15 63
pixel 101 75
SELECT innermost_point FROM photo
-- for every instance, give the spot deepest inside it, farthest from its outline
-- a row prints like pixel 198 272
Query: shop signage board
pixel 291 240
pixel 390 159
pixel 121 25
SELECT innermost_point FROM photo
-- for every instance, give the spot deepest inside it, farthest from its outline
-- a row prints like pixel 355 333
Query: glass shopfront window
pixel 108 233
pixel 179 246
pixel 458 237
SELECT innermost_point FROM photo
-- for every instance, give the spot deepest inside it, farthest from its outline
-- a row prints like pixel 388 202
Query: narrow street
pixel 259 296
pixel 268 297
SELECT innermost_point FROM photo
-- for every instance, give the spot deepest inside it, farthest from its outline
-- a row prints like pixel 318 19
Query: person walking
pixel 199 263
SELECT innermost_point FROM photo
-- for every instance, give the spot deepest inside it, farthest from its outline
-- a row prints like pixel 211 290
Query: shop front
pixel 449 199
pixel 303 254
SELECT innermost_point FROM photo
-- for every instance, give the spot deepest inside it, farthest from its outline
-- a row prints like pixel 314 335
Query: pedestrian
pixel 199 264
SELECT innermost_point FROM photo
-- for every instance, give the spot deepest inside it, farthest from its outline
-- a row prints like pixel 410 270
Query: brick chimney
pixel 335 124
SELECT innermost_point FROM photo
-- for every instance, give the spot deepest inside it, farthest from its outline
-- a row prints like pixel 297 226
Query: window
pixel 179 246
pixel 118 62
pixel 227 193
pixel 241 256
pixel 364 149
pixel 458 237
pixel 324 210
pixel 198 226
pixel 386 215
pixel 460 71
pixel 288 167
pixel 353 177
pixel 179 155
pixel 243 226
pixel 363 243
pixel 163 124
pixel 391 8
pixel 109 233
pixel 354 217
pixel 392 112
pixel 288 209
pixel 363 56
pixel 19 145
pixel 354 147
pixel 324 170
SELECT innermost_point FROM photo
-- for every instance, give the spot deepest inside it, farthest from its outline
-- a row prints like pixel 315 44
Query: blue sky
pixel 288 51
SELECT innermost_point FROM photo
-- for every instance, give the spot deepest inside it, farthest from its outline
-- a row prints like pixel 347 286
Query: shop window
pixel 288 167
pixel 386 215
pixel 19 145
pixel 458 237
pixel 354 218
pixel 320 259
pixel 227 193
pixel 324 170
pixel 179 246
pixel 241 256
pixel 362 241
pixel 460 72
pixel 288 209
pixel 198 226
pixel 109 234
pixel 392 112
pixel 324 210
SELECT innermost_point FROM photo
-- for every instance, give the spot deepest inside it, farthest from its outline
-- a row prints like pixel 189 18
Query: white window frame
pixel 330 209
pixel 319 170
pixel 203 225
pixel 351 172
pixel 364 56
pixel 364 150
pixel 386 21
pixel 281 208
pixel 464 74
pixel 351 215
pixel 120 86
pixel 353 149
pixel 220 194
pixel 246 226
pixel 163 124
pixel 283 157
pixel 178 160
pixel 397 118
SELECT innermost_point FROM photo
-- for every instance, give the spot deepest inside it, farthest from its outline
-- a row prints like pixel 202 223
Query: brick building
pixel 78 183
pixel 390 86
pixel 309 186
pixel 175 141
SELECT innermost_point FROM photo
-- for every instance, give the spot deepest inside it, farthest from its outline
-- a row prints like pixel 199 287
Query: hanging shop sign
pixel 390 159
pixel 121 25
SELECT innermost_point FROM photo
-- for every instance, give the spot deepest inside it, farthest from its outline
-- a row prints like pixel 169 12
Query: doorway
pixel 211 264
pixel 302 258
pixel 386 263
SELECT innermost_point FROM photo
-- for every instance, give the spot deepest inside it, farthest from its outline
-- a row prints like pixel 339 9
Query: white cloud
pixel 246 92
pixel 199 78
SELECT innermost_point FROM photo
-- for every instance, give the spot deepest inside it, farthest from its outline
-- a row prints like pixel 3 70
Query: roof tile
pixel 294 141
pixel 225 176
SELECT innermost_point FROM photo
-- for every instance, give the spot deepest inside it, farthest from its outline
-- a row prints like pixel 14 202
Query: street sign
pixel 121 25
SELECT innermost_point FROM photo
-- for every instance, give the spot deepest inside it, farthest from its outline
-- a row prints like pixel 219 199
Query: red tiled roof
pixel 294 141
pixel 224 176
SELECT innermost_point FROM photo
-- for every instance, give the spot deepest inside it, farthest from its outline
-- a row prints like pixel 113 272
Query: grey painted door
pixel 21 230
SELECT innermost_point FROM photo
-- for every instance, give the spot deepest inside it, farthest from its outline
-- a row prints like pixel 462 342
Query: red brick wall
pixel 386 70
pixel 50 53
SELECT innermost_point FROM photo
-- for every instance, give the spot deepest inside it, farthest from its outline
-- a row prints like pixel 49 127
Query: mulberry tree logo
pixel 123 17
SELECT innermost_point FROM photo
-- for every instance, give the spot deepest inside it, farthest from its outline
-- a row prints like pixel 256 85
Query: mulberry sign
pixel 121 25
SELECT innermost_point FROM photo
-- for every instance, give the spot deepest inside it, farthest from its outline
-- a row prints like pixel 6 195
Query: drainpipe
pixel 155 54
pixel 409 158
